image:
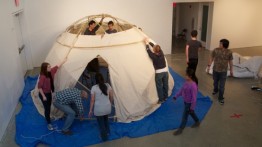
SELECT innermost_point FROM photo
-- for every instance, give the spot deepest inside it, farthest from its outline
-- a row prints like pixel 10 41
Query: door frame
pixel 25 38
pixel 209 23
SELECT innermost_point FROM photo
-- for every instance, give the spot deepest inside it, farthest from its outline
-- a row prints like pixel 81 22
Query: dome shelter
pixel 131 71
pixel 81 25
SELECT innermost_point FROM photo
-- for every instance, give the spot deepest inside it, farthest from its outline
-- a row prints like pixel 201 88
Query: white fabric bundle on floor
pixel 243 66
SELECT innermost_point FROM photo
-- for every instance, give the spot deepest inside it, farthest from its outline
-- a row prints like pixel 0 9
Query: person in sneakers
pixel 222 57
pixel 46 87
pixel 100 104
pixel 189 94
pixel 65 100
pixel 161 70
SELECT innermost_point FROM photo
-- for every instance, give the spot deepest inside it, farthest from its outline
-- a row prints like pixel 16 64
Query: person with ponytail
pixel 46 87
pixel 101 101
pixel 189 94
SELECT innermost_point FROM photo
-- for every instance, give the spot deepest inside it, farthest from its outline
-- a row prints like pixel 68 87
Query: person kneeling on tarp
pixel 64 100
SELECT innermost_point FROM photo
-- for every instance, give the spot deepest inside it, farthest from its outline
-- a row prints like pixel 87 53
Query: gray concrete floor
pixel 218 129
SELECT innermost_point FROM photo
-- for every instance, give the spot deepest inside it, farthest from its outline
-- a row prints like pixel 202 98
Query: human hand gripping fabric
pixel 63 61
pixel 81 118
pixel 231 73
pixel 146 41
pixel 208 68
pixel 90 114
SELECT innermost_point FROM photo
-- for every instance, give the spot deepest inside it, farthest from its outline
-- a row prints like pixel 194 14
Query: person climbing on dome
pixel 110 29
pixel 93 27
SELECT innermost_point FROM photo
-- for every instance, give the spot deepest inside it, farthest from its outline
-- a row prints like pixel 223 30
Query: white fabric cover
pixel 244 66
pixel 132 74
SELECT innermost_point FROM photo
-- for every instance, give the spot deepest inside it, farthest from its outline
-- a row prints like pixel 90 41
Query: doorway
pixel 192 16
pixel 20 41
pixel 204 23
pixel 96 65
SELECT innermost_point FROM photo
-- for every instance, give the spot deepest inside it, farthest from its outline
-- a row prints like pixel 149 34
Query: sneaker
pixel 221 102
pixel 255 87
pixel 50 127
pixel 214 92
pixel 178 132
pixel 68 132
pixel 195 125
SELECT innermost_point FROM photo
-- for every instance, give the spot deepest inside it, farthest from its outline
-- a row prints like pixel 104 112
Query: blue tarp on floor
pixel 31 126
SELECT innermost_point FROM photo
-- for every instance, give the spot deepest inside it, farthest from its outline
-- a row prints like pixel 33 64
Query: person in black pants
pixel 192 48
pixel 46 87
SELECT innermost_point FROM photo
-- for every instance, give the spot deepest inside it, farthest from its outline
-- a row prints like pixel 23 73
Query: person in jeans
pixel 161 70
pixel 101 101
pixel 192 48
pixel 65 100
pixel 46 87
pixel 189 94
pixel 221 57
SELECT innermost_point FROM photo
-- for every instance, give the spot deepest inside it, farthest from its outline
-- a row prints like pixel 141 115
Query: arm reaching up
pixel 59 65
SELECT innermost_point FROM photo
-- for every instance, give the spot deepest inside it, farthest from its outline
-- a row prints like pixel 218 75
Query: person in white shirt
pixel 101 101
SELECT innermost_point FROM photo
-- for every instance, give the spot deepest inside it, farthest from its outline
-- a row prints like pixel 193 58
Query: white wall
pixel 47 19
pixel 239 21
pixel 11 77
